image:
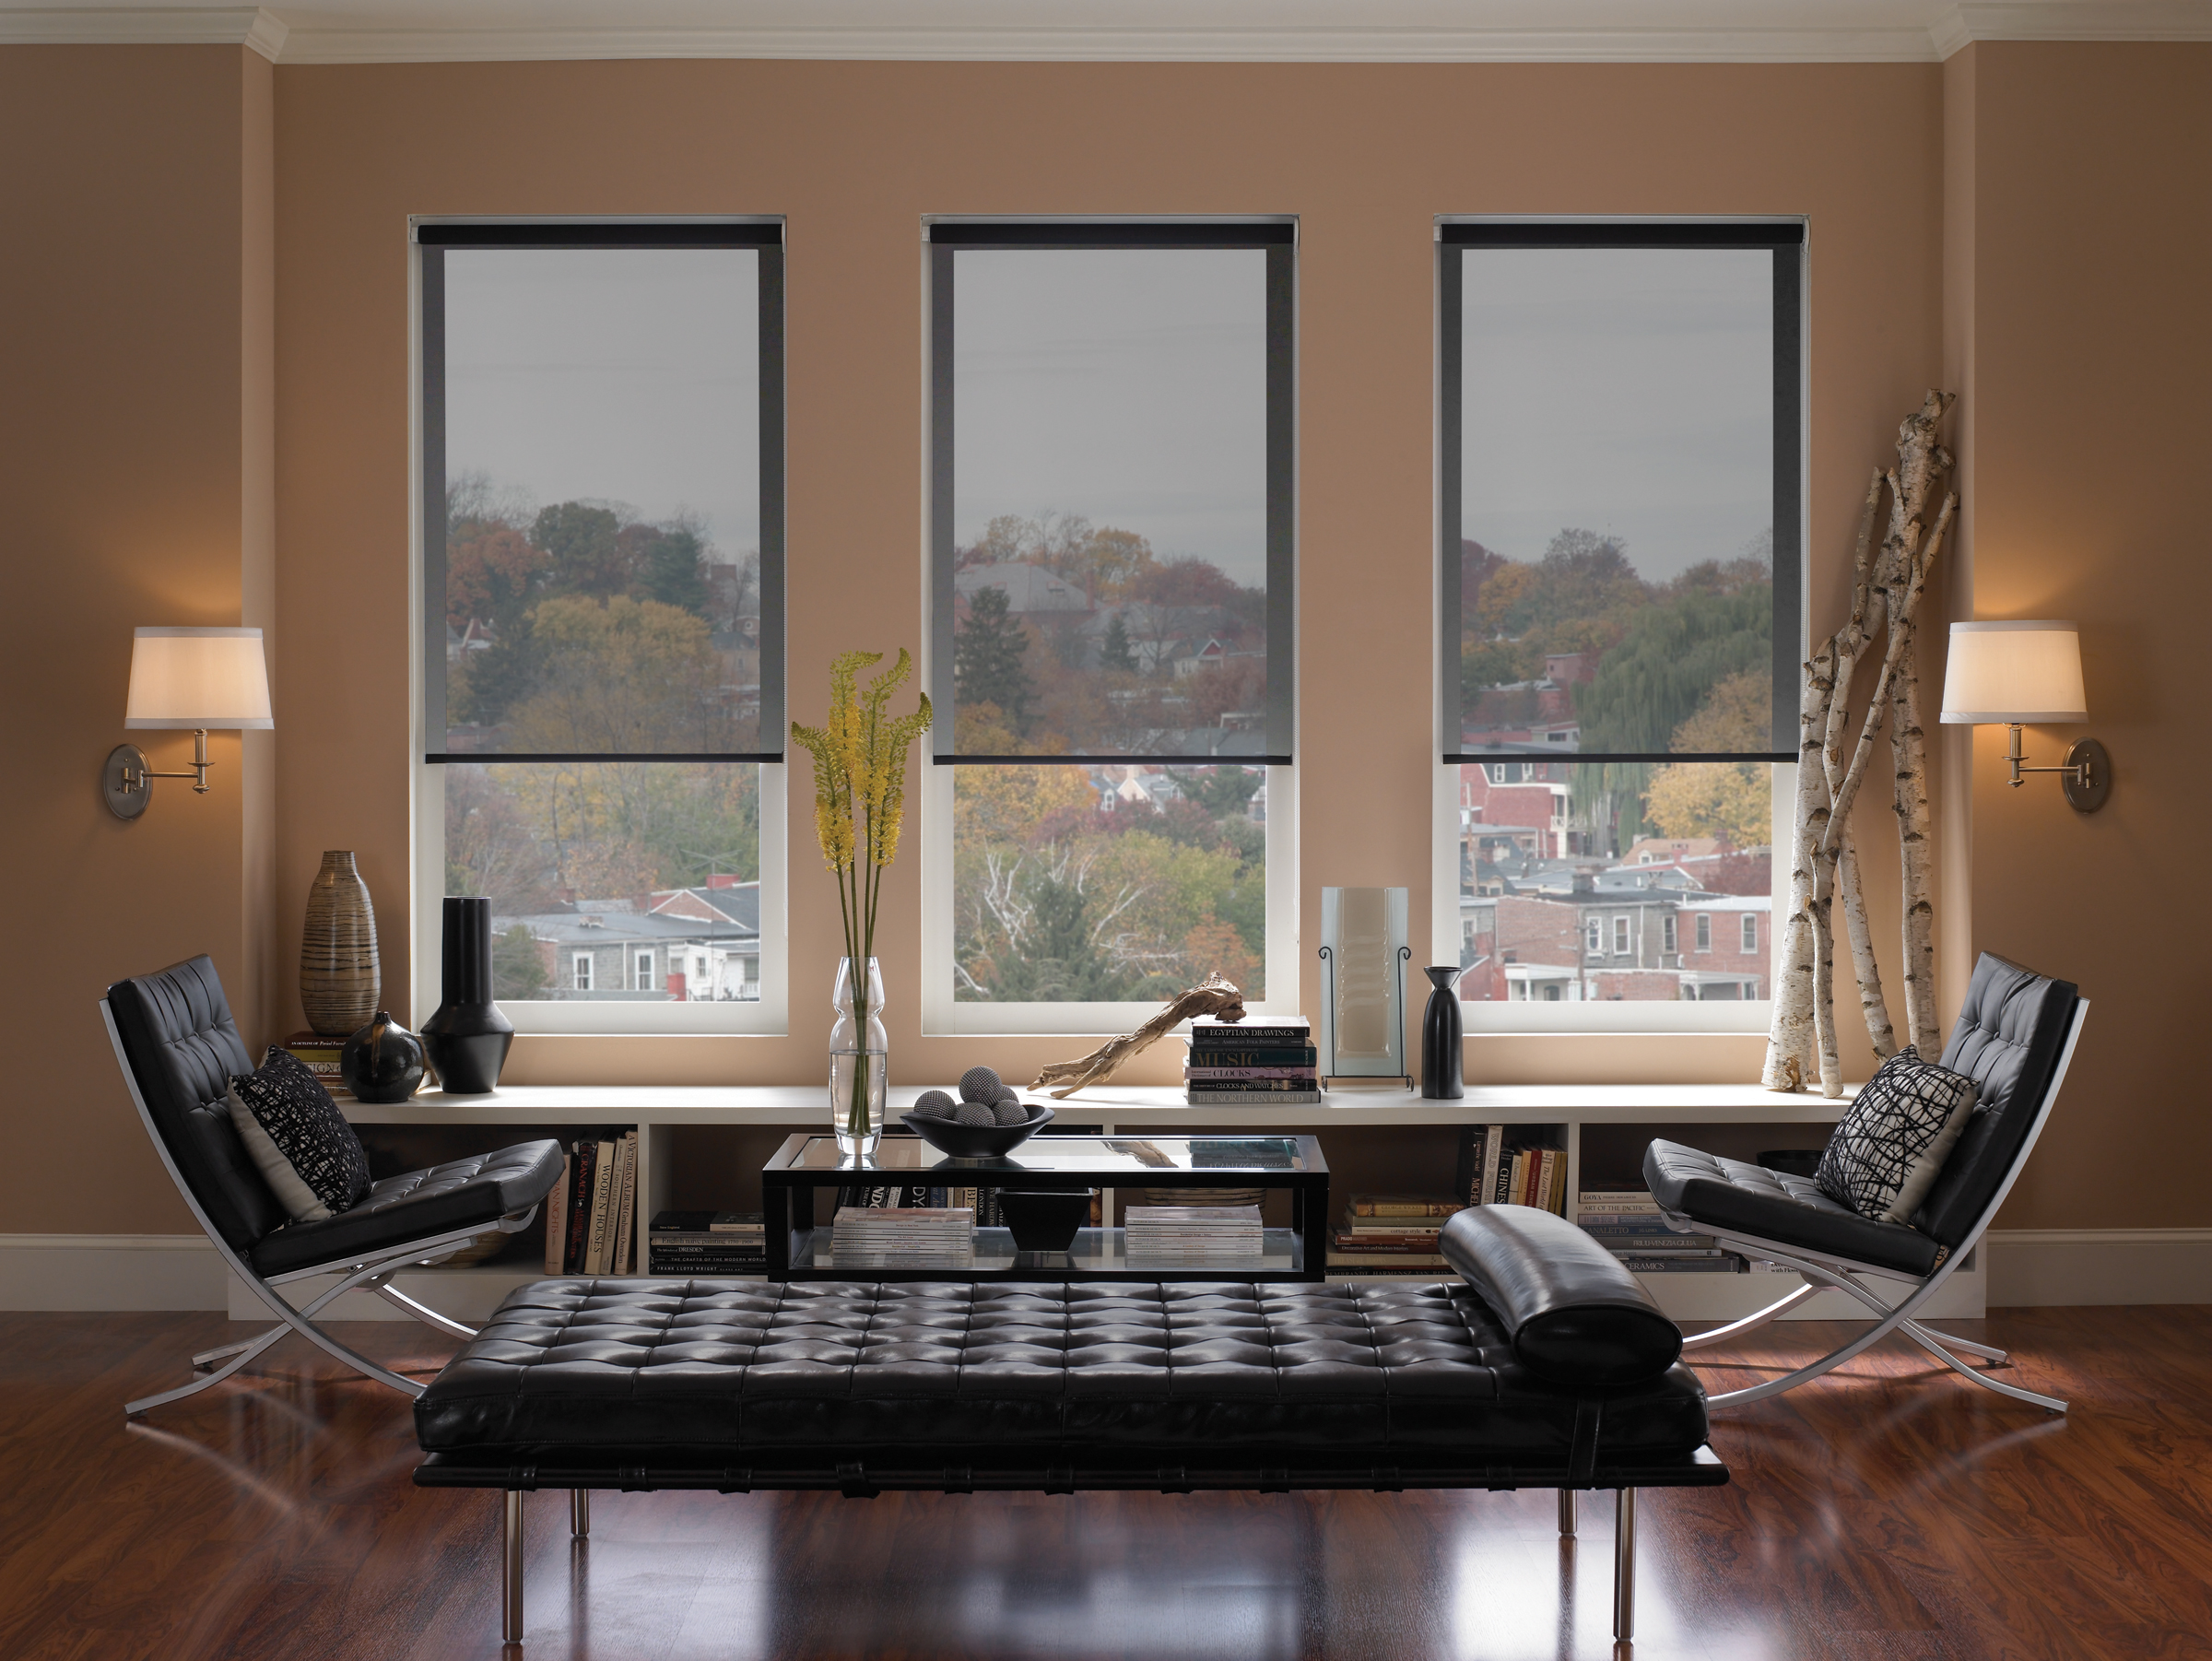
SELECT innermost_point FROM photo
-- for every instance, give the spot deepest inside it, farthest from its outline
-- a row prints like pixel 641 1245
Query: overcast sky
pixel 622 374
pixel 1127 385
pixel 1624 391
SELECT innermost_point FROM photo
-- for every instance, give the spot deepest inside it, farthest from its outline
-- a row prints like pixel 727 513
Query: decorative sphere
pixel 382 1062
pixel 974 1112
pixel 933 1104
pixel 1010 1111
pixel 981 1084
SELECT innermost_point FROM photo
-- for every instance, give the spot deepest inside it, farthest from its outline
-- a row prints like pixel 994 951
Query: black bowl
pixel 975 1141
pixel 1045 1222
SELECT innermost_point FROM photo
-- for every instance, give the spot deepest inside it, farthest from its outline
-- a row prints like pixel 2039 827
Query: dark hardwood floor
pixel 1887 1512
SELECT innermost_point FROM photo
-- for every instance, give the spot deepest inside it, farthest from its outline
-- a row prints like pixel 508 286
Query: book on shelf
pixel 319 1055
pixel 1357 1231
pixel 1513 1165
pixel 1614 1200
pixel 1201 1095
pixel 1397 1260
pixel 1724 1262
pixel 1381 1206
pixel 1213 1075
pixel 588 1215
pixel 1387 1271
pixel 1381 1248
pixel 1636 1240
pixel 709 1223
pixel 1211 1033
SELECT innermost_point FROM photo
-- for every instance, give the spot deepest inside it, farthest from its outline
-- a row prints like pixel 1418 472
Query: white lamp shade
pixel 194 678
pixel 2000 673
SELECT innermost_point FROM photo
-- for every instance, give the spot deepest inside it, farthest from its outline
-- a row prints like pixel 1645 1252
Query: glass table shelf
pixel 806 1164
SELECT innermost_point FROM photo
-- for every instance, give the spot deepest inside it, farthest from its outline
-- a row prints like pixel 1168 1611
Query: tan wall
pixel 2091 499
pixel 856 155
pixel 139 482
pixel 124 431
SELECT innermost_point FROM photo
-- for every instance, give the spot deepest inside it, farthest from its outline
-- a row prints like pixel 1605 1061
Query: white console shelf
pixel 658 1112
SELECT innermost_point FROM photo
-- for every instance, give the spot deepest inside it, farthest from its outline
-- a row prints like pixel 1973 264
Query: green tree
pixel 987 658
pixel 674 569
pixel 518 968
pixel 585 545
pixel 1671 658
pixel 491 683
pixel 1114 656
pixel 1057 960
pixel 1221 791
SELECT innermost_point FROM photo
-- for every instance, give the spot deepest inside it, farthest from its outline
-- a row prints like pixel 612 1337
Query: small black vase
pixel 1441 1035
pixel 468 1038
pixel 382 1062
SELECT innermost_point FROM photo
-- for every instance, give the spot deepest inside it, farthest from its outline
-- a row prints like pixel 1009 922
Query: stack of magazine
pixel 1626 1222
pixel 1263 1061
pixel 1193 1234
pixel 903 1237
pixel 708 1242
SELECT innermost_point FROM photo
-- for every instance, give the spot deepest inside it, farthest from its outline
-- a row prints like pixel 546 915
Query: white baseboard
pixel 2041 1267
pixel 2026 1267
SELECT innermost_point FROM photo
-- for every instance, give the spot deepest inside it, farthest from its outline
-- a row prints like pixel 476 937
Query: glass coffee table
pixel 799 1248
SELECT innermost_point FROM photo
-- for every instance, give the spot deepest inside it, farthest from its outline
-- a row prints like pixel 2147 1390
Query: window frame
pixel 1702 934
pixel 1792 461
pixel 768 1014
pixel 942 1013
pixel 1747 936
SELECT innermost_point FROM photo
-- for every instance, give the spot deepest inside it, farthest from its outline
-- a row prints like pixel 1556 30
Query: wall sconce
pixel 185 677
pixel 2018 674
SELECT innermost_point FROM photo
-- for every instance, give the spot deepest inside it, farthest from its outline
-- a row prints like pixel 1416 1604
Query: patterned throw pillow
pixel 1891 1144
pixel 298 1138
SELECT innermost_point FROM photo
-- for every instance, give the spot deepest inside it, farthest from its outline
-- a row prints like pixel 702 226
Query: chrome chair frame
pixel 1823 1270
pixel 372 1269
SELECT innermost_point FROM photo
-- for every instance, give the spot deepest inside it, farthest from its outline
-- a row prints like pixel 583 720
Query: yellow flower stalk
pixel 859 802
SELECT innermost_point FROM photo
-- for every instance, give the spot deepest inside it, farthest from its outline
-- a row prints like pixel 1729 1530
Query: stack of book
pixel 1513 1165
pixel 590 1217
pixel 1193 1234
pixel 903 1237
pixel 1626 1222
pixel 707 1242
pixel 1392 1234
pixel 1264 1061
pixel 319 1055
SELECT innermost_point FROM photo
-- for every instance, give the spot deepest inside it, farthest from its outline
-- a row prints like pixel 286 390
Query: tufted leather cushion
pixel 727 1372
pixel 483 1189
pixel 1728 1194
pixel 1575 1315
pixel 2006 1040
pixel 183 1048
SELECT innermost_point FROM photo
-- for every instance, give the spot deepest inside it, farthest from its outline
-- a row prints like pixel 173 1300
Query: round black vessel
pixel 382 1062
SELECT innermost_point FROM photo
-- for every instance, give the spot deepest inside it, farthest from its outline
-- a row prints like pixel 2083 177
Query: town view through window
pixel 1109 599
pixel 1616 602
pixel 603 598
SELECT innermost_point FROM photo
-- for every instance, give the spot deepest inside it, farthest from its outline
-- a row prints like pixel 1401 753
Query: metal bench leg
pixel 1624 1566
pixel 1567 1512
pixel 1781 1306
pixel 240 1355
pixel 511 1569
pixel 423 1311
pixel 579 1513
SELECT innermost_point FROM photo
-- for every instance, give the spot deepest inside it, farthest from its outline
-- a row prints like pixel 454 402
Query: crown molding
pixel 1690 36
pixel 1347 45
pixel 147 26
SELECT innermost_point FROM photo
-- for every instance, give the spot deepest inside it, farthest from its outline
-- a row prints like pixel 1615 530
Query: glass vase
pixel 859 1055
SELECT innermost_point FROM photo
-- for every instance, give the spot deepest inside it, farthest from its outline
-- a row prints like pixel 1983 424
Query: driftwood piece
pixel 1212 996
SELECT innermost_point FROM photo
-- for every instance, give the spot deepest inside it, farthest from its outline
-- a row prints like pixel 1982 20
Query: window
pixel 1751 922
pixel 1704 931
pixel 1111 645
pixel 1621 439
pixel 1596 943
pixel 1667 934
pixel 601 623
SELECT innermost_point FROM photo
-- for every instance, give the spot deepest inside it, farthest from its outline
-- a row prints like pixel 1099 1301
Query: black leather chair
pixel 178 1047
pixel 2015 1037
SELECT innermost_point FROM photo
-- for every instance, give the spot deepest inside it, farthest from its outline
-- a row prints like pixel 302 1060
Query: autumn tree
pixel 584 545
pixel 1114 655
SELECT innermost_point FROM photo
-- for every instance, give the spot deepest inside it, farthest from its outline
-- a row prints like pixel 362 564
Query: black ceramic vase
pixel 1441 1035
pixel 468 1038
pixel 382 1062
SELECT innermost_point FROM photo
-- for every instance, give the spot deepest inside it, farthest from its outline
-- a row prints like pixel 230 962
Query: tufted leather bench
pixel 1548 1367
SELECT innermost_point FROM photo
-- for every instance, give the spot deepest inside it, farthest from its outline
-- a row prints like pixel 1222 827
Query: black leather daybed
pixel 1550 1367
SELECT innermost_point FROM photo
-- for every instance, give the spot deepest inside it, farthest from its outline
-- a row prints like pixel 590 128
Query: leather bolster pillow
pixel 1576 1315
